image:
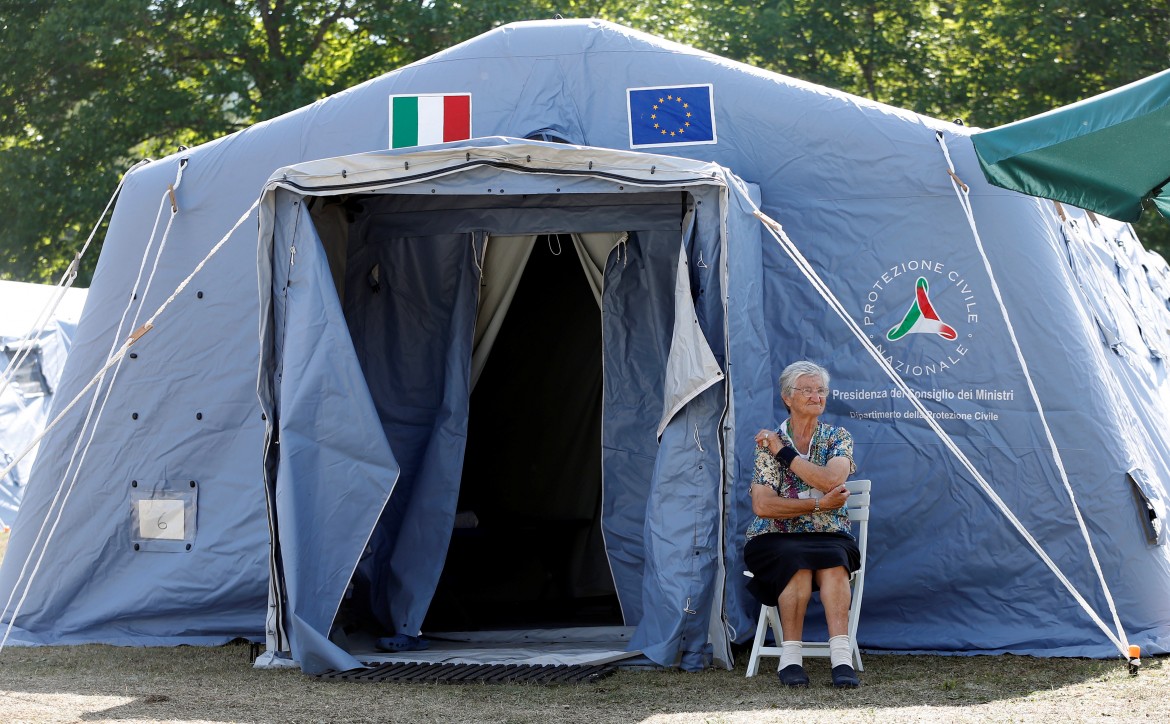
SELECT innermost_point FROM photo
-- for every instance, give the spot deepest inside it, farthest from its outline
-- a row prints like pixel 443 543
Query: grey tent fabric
pixel 593 249
pixel 503 264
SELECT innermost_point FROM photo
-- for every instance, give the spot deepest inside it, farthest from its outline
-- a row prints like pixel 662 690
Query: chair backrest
pixel 858 508
pixel 858 503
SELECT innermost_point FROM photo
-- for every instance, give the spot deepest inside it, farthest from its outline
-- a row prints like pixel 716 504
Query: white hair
pixel 797 370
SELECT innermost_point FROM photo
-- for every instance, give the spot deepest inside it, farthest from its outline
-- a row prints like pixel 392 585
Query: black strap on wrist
pixel 786 455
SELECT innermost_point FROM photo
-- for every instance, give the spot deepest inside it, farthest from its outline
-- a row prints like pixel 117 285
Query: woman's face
pixel 808 397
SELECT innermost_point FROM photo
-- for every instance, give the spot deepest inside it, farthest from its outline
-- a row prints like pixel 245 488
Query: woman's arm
pixel 767 503
pixel 824 479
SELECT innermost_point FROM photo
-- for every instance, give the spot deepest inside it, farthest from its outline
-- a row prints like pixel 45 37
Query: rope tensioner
pixel 137 334
pixel 959 181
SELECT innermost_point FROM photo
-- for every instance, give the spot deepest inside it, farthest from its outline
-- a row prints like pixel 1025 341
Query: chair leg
pixel 761 631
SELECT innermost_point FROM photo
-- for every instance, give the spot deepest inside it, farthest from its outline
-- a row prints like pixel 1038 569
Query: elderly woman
pixel 800 540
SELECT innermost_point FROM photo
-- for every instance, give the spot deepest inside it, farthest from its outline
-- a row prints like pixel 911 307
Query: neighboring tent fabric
pixel 1106 154
pixel 34 363
pixel 177 435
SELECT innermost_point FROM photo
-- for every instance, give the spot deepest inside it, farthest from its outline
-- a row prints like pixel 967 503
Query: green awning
pixel 1109 154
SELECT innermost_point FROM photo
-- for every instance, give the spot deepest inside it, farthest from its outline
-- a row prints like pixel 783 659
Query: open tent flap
pixel 417 290
pixel 335 468
pixel 507 257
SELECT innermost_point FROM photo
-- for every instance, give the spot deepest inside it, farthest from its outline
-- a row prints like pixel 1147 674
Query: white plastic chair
pixel 858 509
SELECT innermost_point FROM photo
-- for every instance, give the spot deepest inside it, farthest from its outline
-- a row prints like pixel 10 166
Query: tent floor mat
pixel 429 673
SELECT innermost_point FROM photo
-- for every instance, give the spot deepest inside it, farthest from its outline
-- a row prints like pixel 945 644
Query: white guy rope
pixel 63 285
pixel 963 194
pixel 116 358
pixel 834 303
pixel 89 424
pixel 57 496
pixel 117 333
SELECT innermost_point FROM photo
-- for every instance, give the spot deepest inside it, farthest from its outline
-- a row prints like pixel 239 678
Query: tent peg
pixel 1135 659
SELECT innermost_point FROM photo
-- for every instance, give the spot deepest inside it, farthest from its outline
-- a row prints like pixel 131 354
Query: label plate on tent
pixel 161 519
pixel 163 515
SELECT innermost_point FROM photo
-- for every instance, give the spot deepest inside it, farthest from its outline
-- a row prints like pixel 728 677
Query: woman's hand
pixel 835 498
pixel 768 439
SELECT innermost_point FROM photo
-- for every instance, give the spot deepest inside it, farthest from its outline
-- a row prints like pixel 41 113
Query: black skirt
pixel 774 558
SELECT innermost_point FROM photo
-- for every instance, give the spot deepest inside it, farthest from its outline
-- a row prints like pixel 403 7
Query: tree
pixel 87 87
pixel 1015 58
pixel 90 86
pixel 881 49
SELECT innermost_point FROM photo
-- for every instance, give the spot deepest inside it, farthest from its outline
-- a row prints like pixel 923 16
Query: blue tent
pixel 513 384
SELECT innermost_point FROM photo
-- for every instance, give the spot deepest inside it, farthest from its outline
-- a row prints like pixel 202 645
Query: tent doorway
pixel 482 352
pixel 386 321
pixel 527 550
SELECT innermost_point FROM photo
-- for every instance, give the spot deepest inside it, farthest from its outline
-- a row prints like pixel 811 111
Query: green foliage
pixel 87 87
pixel 1017 58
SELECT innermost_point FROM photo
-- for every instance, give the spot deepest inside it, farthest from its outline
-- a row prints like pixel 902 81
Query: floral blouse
pixel 827 442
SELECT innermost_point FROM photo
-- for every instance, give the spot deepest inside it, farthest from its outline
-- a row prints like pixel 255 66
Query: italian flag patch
pixel 421 120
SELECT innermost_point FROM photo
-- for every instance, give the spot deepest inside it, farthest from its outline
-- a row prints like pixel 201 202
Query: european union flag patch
pixel 682 114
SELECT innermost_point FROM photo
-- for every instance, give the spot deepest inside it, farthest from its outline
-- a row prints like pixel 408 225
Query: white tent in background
pixel 35 340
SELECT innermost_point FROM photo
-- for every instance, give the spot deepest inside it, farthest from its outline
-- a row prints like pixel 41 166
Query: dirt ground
pixel 218 684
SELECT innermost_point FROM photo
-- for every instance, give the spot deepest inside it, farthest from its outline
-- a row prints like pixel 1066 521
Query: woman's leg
pixel 792 604
pixel 835 596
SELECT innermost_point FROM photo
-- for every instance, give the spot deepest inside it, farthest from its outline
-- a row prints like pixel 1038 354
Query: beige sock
pixel 791 653
pixel 840 652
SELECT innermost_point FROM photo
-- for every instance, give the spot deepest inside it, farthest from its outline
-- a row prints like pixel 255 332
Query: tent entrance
pixel 400 417
pixel 527 548
pixel 477 324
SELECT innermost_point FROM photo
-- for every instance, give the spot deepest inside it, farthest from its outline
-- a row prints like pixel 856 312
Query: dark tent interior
pixel 532 471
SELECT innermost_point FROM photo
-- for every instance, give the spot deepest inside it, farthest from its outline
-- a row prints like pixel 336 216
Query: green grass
pixel 217 684
pixel 103 683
